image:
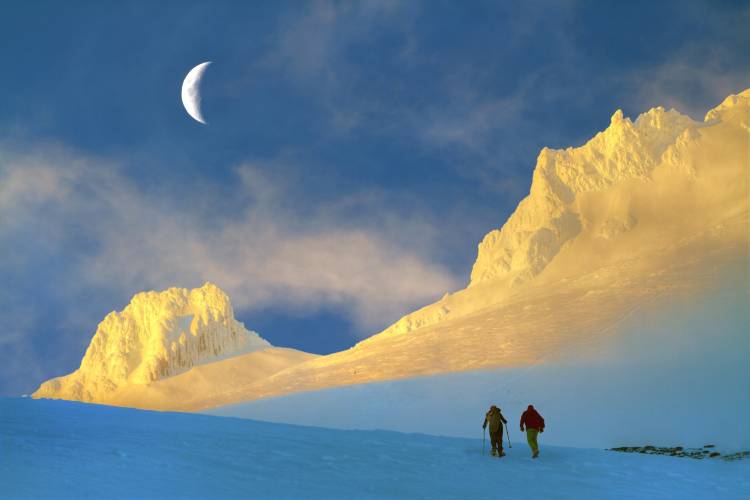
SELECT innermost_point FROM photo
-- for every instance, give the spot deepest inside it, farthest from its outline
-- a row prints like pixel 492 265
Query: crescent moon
pixel 191 91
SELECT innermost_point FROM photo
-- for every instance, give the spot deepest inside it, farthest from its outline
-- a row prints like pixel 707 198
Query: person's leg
pixel 528 439
pixel 500 442
pixel 531 435
pixel 493 442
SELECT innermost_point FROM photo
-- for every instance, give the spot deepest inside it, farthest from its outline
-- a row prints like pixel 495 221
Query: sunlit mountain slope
pixel 645 212
pixel 159 334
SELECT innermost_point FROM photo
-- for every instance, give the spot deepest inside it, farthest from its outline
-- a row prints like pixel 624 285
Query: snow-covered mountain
pixel 551 215
pixel 636 191
pixel 646 213
pixel 158 335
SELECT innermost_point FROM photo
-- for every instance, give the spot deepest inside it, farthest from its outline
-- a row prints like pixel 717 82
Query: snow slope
pixel 209 384
pixel 645 213
pixel 635 196
pixel 551 214
pixel 158 335
pixel 678 376
pixel 60 449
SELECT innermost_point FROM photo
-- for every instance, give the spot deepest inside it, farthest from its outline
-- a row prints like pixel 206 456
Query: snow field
pixel 60 449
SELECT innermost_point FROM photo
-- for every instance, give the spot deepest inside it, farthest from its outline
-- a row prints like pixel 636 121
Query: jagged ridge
pixel 159 334
pixel 554 214
pixel 547 218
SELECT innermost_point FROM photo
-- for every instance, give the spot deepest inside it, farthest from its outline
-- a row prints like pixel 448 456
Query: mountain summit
pixel 635 192
pixel 158 335
pixel 550 215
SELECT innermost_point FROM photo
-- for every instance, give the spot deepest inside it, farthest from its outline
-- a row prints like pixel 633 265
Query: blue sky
pixel 355 155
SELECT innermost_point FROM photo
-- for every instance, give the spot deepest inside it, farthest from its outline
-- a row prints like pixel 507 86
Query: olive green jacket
pixel 495 419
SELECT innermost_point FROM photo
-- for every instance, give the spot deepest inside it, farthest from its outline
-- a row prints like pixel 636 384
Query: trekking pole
pixel 508 434
pixel 484 433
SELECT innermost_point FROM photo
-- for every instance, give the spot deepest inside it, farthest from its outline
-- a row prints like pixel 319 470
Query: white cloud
pixel 273 250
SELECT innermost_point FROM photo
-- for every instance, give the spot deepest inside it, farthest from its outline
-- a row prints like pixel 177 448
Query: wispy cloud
pixel 310 41
pixel 354 60
pixel 689 86
pixel 20 366
pixel 699 75
pixel 491 126
pixel 268 252
pixel 312 48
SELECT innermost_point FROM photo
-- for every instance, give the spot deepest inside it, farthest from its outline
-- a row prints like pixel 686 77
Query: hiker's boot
pixel 494 453
pixel 535 455
pixel 501 453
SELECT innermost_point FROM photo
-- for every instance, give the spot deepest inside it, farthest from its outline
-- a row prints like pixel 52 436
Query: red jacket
pixel 532 419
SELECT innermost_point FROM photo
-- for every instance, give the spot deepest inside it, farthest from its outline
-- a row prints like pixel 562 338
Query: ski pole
pixel 508 434
pixel 484 433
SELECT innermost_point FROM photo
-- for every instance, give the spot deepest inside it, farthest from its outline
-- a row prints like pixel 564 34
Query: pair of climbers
pixel 531 420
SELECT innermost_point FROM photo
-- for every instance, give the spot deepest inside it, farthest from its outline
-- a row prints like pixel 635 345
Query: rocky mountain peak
pixel 157 335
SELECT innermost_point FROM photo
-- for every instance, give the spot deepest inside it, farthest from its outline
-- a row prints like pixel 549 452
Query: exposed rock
pixel 679 451
pixel 741 455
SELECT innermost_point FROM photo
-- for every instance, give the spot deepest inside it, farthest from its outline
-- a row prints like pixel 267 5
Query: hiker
pixel 496 421
pixel 534 425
